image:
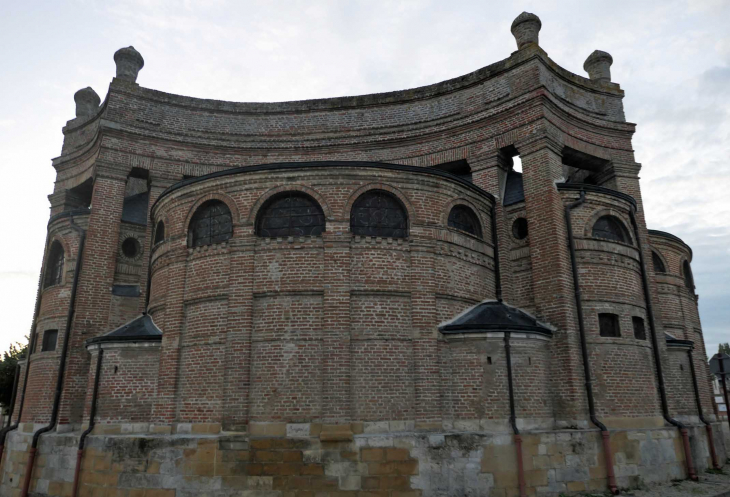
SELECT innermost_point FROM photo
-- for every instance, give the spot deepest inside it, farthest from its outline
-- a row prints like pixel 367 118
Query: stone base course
pixel 314 460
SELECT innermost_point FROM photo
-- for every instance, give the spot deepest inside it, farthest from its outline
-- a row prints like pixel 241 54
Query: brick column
pixel 93 298
pixel 552 274
pixel 424 319
pixel 165 407
pixel 237 384
pixel 157 186
pixel 336 398
pixel 487 172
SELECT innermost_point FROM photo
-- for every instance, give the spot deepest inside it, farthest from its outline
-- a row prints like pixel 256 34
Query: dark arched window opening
pixel 608 325
pixel 610 228
pixel 687 273
pixel 378 213
pixel 463 218
pixel 54 267
pixel 290 214
pixel 639 330
pixel 658 263
pixel 159 232
pixel 50 337
pixel 211 223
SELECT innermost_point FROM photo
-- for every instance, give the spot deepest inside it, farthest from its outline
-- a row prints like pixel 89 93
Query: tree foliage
pixel 724 348
pixel 7 370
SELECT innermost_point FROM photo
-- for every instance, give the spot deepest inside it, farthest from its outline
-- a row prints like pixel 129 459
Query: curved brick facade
pixel 303 364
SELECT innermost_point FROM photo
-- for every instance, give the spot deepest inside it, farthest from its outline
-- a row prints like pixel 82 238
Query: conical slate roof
pixel 139 329
pixel 673 341
pixel 492 315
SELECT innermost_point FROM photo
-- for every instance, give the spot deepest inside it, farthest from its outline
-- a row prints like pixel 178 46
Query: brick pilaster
pixel 424 319
pixel 94 290
pixel 237 384
pixel 337 398
pixel 551 271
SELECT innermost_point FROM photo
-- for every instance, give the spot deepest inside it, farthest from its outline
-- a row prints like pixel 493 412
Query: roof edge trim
pixel 323 165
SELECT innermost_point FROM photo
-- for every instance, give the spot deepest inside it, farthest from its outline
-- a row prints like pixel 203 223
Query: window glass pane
pixel 608 325
pixel 211 223
pixel 657 263
pixel 463 218
pixel 54 267
pixel 639 331
pixel 610 228
pixel 291 214
pixel 50 337
pixel 159 232
pixel 377 213
pixel 688 280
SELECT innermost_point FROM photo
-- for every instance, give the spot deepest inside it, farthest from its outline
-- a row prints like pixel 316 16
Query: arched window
pixel 211 223
pixel 378 213
pixel 159 232
pixel 658 263
pixel 463 218
pixel 687 273
pixel 54 267
pixel 290 214
pixel 610 228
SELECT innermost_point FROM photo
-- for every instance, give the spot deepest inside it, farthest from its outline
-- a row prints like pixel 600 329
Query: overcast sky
pixel 671 57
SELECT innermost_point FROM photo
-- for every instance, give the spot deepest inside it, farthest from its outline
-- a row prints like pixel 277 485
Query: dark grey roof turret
pixel 493 315
pixel 139 329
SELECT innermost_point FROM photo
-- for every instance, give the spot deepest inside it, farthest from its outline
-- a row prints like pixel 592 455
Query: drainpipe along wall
pixel 708 426
pixel 92 415
pixel 508 356
pixel 16 376
pixel 31 349
pixel 657 357
pixel 61 368
pixel 584 348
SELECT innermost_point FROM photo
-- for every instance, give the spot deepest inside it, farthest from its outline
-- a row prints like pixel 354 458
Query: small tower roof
pixel 492 315
pixel 141 328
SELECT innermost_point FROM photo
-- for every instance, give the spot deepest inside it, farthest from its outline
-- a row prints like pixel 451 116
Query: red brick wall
pixel 128 383
pixel 292 294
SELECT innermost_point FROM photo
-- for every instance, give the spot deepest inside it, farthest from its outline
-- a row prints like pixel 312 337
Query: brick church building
pixel 360 296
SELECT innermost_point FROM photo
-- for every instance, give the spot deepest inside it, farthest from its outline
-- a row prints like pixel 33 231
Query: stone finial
pixel 598 66
pixel 87 102
pixel 129 62
pixel 525 29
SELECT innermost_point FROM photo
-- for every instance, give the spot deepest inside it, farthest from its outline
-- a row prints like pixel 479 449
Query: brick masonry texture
pixel 313 365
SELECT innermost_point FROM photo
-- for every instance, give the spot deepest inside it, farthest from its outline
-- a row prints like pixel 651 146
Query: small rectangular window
pixel 639 330
pixel 50 337
pixel 608 325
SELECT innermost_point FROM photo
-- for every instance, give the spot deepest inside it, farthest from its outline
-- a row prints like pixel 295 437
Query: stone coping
pixel 289 166
pixel 517 58
pixel 670 237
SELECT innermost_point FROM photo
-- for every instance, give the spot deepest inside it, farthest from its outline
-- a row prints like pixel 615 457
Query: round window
pixel 130 247
pixel 519 228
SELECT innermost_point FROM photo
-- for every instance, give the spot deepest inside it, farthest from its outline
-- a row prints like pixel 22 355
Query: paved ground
pixel 710 485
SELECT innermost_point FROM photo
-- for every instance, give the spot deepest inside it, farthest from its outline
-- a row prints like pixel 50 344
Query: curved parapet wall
pixel 278 301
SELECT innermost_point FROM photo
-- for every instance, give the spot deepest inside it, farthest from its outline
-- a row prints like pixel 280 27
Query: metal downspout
pixel 657 358
pixel 584 348
pixel 508 355
pixel 16 376
pixel 62 366
pixel 92 415
pixel 708 426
